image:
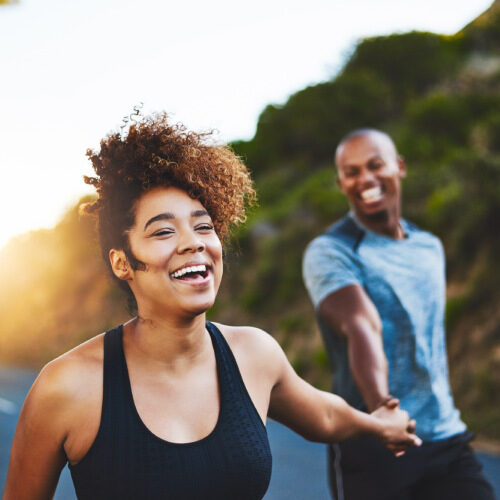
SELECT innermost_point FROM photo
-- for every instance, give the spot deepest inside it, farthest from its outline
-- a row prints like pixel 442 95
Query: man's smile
pixel 372 194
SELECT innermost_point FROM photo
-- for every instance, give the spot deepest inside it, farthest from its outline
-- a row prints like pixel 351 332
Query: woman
pixel 168 405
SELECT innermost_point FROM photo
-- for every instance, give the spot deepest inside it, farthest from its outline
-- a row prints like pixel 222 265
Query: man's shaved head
pixel 382 138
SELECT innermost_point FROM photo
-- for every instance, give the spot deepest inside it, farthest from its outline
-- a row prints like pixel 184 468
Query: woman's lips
pixel 192 275
pixel 190 270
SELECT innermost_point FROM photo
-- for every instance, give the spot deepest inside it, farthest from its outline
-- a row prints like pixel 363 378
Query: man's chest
pixel 405 279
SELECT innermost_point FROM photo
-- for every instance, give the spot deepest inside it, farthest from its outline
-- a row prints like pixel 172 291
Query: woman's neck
pixel 170 342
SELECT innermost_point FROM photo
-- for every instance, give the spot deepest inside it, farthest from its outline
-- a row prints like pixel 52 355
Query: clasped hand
pixel 399 429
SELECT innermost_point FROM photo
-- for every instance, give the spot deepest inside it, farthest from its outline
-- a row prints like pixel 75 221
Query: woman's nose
pixel 190 241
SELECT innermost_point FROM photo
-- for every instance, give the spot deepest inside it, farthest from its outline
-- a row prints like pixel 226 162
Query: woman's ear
pixel 120 265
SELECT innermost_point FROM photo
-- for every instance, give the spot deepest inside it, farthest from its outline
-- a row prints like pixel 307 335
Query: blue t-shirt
pixel 405 279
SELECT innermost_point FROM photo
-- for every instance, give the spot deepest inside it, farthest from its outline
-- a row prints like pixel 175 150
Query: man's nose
pixel 366 176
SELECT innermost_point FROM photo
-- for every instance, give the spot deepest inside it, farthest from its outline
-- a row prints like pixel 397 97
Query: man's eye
pixel 350 173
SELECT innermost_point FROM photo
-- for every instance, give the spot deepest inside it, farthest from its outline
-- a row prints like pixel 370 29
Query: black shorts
pixel 363 469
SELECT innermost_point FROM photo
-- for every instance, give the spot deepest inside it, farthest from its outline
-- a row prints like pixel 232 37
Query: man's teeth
pixel 371 194
pixel 185 270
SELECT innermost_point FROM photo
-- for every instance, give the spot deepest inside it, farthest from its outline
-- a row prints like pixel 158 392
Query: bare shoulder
pixel 249 337
pixel 78 362
pixel 66 395
pixel 72 375
pixel 254 347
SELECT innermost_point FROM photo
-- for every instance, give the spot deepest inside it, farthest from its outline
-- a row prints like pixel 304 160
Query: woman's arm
pixel 37 455
pixel 325 417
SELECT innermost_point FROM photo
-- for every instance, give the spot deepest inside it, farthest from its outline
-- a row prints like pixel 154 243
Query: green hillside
pixel 439 96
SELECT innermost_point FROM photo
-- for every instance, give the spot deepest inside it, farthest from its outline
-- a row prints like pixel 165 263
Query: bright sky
pixel 70 70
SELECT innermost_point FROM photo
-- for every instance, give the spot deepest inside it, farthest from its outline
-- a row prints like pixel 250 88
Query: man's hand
pixel 399 432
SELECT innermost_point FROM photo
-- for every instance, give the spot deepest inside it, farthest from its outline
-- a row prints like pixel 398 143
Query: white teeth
pixel 371 194
pixel 192 269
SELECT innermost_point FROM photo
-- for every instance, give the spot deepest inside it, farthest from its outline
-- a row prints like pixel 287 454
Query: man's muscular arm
pixel 350 312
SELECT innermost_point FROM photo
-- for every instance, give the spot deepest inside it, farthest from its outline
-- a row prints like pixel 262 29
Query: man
pixel 378 285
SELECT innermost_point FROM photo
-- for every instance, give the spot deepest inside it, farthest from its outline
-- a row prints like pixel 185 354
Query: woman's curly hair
pixel 154 153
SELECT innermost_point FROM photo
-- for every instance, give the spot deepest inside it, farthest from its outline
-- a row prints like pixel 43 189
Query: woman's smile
pixel 193 274
pixel 175 238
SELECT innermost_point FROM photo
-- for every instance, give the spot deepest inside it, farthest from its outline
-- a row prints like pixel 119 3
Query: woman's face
pixel 174 237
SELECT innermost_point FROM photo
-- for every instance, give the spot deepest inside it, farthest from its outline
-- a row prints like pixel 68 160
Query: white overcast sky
pixel 69 71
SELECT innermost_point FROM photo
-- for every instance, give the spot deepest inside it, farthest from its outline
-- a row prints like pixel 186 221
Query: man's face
pixel 369 174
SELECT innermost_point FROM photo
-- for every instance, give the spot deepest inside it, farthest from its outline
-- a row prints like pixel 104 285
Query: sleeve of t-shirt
pixel 326 268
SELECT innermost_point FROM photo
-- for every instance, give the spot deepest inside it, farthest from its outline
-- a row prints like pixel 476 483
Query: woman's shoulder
pixel 62 410
pixel 73 373
pixel 253 345
pixel 247 337
pixel 83 357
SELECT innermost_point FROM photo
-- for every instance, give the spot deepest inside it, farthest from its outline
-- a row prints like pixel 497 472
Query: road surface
pixel 299 471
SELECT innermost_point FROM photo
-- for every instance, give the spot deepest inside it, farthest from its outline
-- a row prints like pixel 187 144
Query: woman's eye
pixel 205 227
pixel 163 232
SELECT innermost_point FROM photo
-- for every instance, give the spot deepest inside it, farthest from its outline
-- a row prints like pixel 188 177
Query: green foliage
pixel 409 63
pixel 321 358
pixel 442 118
pixel 443 122
pixel 489 128
pixel 313 119
pixel 293 322
pixel 483 34
pixel 467 208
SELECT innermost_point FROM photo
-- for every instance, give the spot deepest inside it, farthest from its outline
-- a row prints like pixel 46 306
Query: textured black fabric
pixel 127 461
pixel 363 469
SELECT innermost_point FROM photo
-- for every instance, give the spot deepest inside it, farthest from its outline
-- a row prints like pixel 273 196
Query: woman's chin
pixel 200 308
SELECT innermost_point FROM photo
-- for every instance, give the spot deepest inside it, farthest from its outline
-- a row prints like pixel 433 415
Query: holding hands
pixel 398 433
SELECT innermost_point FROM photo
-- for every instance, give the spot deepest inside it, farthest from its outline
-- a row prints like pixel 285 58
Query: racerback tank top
pixel 128 461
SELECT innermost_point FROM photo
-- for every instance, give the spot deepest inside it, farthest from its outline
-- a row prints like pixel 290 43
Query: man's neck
pixel 384 223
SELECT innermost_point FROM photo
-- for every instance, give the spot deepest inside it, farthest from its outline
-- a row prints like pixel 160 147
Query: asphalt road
pixel 299 471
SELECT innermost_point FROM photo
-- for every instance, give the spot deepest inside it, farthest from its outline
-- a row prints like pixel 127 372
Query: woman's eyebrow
pixel 169 215
pixel 163 216
pixel 199 213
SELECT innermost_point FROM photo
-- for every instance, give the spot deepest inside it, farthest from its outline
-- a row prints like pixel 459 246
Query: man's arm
pixel 325 417
pixel 350 313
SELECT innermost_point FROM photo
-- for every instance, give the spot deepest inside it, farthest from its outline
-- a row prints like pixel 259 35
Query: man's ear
pixel 402 167
pixel 336 176
pixel 119 264
pixel 338 180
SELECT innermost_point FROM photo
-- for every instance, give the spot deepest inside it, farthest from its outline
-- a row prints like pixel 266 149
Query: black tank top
pixel 127 461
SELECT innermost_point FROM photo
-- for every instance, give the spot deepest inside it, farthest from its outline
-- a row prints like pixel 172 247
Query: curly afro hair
pixel 154 153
